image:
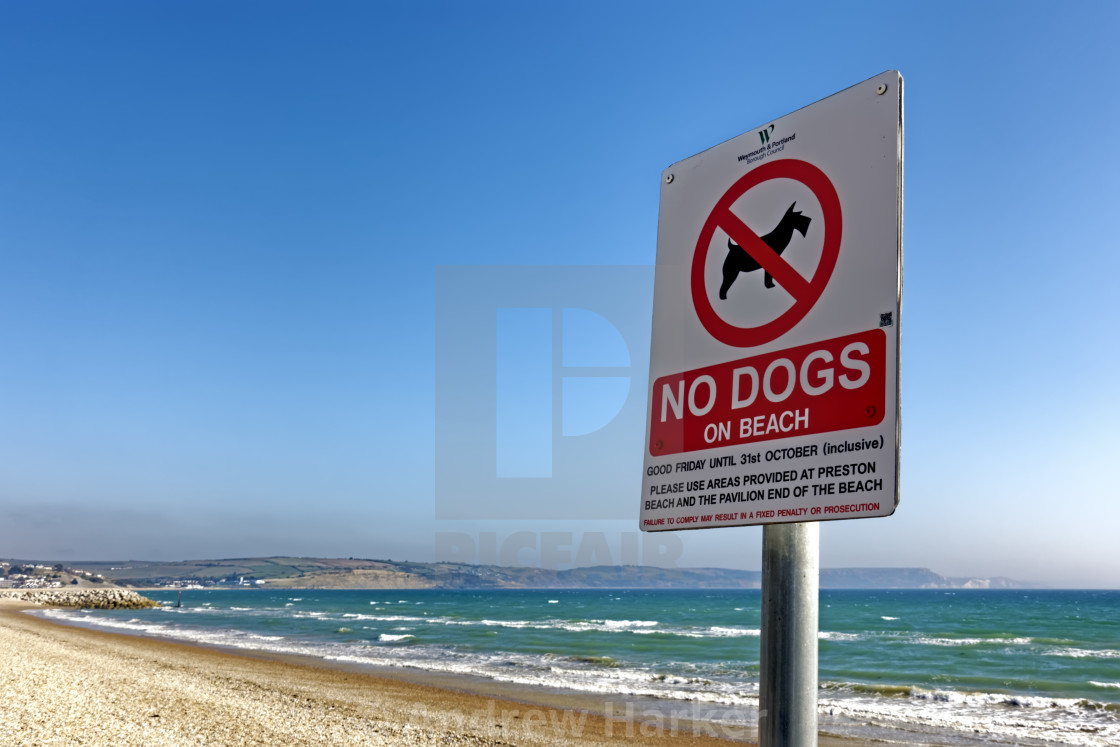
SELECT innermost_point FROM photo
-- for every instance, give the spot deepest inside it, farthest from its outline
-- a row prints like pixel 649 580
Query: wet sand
pixel 71 685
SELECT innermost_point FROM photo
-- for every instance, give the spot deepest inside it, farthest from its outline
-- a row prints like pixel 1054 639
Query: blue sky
pixel 236 239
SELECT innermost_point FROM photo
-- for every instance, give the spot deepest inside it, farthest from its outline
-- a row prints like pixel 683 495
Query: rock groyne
pixel 100 599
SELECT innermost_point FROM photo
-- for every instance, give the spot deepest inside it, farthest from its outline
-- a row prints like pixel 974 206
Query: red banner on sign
pixel 822 387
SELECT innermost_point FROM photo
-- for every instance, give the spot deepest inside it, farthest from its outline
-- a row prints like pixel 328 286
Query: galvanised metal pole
pixel 787 715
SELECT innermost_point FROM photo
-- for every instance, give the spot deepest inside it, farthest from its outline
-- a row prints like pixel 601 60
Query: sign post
pixel 774 378
pixel 787 692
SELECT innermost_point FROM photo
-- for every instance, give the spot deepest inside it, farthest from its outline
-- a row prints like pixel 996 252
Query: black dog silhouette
pixel 739 261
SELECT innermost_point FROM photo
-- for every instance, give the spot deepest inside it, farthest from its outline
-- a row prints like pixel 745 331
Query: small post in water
pixel 787 702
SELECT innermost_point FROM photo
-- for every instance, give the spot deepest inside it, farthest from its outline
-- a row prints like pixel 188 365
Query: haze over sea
pixel 944 666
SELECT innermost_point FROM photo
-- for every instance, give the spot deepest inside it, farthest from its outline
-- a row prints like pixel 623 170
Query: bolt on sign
pixel 774 384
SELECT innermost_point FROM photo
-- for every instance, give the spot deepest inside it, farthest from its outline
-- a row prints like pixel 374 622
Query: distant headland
pixel 359 573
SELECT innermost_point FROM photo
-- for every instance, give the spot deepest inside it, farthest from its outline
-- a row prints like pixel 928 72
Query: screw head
pixel 669 178
pixel 881 89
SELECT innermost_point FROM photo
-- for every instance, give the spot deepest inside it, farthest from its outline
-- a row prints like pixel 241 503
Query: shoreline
pixel 73 683
pixel 623 708
pixel 557 689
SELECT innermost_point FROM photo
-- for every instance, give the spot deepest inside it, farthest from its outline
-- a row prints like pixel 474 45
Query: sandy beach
pixel 69 685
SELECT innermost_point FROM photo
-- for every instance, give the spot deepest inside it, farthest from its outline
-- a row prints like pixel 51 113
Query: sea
pixel 944 667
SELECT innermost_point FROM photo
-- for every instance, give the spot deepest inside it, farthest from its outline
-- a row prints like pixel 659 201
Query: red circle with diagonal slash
pixel 805 292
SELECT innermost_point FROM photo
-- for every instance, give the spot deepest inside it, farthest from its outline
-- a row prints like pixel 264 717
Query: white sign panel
pixel 774 361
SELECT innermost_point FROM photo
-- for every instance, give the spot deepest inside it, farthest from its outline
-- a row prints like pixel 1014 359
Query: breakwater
pixel 100 599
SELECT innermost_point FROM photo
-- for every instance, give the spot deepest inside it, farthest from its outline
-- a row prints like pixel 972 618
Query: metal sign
pixel 774 360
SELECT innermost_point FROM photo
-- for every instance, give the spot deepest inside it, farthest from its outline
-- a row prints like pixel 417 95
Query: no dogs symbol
pixel 748 252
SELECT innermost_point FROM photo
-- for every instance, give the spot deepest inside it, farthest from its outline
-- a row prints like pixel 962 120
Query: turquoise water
pixel 928 666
